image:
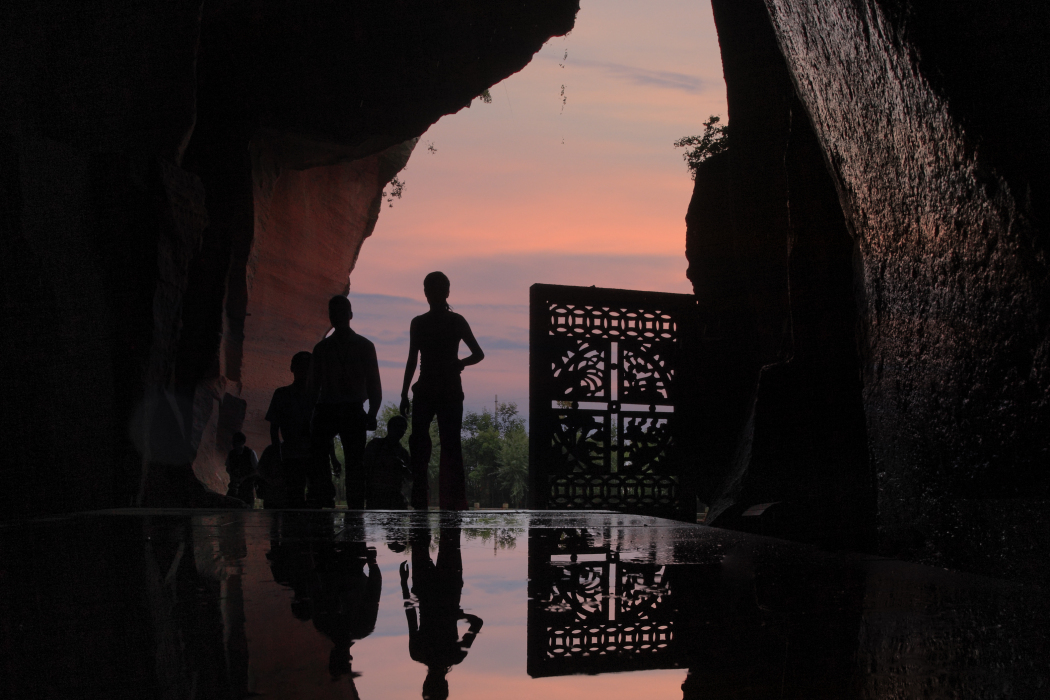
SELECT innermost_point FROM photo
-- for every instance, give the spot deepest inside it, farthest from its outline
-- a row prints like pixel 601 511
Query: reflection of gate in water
pixel 591 613
pixel 610 400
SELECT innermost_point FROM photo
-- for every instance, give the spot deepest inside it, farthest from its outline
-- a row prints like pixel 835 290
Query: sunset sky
pixel 536 188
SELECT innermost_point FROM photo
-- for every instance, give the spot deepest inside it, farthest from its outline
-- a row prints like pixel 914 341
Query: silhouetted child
pixel 434 341
pixel 242 464
pixel 386 467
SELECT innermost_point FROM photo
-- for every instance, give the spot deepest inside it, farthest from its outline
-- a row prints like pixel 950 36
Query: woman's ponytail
pixel 438 282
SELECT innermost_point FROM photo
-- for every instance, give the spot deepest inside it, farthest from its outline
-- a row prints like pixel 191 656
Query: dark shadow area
pixel 869 258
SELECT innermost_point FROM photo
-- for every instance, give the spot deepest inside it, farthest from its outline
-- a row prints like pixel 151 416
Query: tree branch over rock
pixel 713 141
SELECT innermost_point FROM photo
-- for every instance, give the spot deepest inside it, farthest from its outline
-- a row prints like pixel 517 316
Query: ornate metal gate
pixel 611 400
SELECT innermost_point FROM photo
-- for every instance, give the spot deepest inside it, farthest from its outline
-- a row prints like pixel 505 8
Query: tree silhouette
pixel 713 141
pixel 496 455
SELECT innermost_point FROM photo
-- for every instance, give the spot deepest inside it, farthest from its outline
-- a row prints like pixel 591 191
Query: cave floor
pixel 511 604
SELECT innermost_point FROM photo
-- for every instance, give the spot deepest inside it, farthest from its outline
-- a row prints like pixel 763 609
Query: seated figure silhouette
pixel 433 636
pixel 386 467
pixel 434 339
pixel 344 373
pixel 242 464
pixel 331 589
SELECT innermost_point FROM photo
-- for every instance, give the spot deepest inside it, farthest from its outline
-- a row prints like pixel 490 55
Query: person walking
pixel 434 339
pixel 344 374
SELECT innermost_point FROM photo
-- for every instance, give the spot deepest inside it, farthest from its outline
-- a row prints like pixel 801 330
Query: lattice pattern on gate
pixel 609 639
pixel 590 612
pixel 609 408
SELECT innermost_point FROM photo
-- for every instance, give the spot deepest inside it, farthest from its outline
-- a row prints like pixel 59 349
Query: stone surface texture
pixel 930 120
pixel 771 262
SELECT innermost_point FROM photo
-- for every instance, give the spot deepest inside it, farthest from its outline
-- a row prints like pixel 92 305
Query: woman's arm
pixel 467 336
pixel 475 627
pixel 410 609
pixel 410 367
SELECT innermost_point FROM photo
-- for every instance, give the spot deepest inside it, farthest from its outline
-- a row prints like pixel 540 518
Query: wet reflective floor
pixel 192 604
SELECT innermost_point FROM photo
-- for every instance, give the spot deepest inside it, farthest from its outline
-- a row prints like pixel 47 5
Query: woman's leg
pixel 452 481
pixel 419 446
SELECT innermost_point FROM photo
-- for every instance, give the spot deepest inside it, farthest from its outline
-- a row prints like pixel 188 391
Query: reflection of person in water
pixel 331 589
pixel 433 638
pixel 434 341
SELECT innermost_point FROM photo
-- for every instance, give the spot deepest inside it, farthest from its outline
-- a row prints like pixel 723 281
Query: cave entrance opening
pixel 521 187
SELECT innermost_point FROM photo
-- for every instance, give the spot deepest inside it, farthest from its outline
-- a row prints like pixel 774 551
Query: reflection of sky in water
pixel 184 604
pixel 289 657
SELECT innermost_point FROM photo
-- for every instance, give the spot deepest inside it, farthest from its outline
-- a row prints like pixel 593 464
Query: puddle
pixel 510 605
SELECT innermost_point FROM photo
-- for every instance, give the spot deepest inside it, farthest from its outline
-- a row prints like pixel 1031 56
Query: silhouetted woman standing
pixel 434 341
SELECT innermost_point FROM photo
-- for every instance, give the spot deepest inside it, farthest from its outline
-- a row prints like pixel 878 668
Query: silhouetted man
pixel 434 640
pixel 291 410
pixel 345 373
pixel 386 467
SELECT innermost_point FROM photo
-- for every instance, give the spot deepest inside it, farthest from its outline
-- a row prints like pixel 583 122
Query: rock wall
pixel 928 119
pixel 771 262
pixel 96 223
pixel 954 246
pixel 128 210
pixel 309 227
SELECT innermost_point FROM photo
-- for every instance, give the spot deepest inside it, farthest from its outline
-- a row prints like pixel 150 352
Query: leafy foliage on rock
pixel 713 141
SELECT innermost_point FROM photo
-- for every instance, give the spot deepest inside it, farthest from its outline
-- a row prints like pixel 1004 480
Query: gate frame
pixel 541 428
